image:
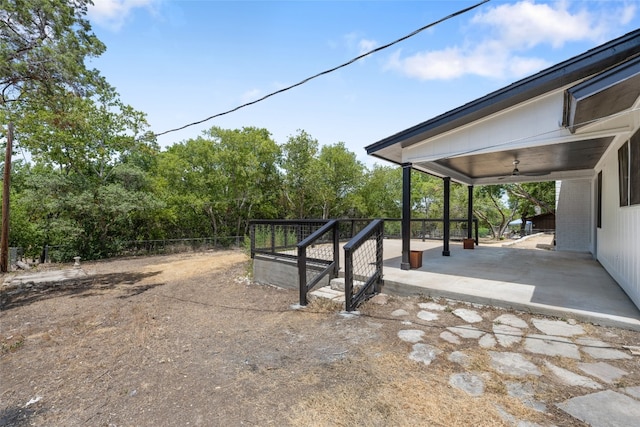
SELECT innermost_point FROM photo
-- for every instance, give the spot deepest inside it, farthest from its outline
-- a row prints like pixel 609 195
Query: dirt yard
pixel 189 340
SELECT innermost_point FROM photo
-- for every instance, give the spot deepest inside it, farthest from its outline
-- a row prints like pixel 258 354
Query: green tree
pixel 247 160
pixel 84 190
pixel 221 180
pixel 380 194
pixel 43 48
pixel 299 165
pixel 338 174
pixel 534 198
pixel 426 195
pixel 490 208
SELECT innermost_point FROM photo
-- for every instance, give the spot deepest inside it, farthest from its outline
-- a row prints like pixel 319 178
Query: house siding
pixel 618 240
pixel 573 215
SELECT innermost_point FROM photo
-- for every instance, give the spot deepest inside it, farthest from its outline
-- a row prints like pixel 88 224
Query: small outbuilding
pixel 543 223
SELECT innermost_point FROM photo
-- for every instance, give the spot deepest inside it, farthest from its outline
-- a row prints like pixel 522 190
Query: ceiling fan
pixel 516 171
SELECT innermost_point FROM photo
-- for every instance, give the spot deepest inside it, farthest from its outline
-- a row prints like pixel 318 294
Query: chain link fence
pixel 63 253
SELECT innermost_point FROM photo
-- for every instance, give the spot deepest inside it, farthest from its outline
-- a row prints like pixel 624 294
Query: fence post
pixel 252 236
pixel 336 249
pixel 302 274
pixel 286 236
pixel 348 279
pixel 379 257
pixel 273 238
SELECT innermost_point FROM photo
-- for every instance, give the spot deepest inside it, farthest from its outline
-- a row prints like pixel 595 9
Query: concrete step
pixel 327 292
pixel 338 284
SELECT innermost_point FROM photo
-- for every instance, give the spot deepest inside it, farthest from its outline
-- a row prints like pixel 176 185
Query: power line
pixel 331 70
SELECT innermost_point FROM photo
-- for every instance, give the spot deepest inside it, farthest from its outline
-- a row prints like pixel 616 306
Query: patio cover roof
pixel 557 124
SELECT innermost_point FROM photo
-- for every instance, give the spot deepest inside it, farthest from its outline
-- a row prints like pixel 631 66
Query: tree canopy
pixel 43 48
pixel 93 178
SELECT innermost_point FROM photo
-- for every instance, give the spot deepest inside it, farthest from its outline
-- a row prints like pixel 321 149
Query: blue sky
pixel 182 61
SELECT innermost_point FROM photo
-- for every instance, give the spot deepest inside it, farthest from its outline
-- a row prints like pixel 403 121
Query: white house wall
pixel 618 240
pixel 573 215
pixel 531 123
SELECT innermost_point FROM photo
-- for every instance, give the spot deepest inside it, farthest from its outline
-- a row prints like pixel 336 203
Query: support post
pixel 406 216
pixel 470 212
pixel 445 216
pixel 4 240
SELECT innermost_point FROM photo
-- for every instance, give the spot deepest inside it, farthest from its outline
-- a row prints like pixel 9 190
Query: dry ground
pixel 189 340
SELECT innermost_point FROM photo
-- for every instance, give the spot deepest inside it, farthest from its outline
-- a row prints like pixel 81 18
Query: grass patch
pixel 11 343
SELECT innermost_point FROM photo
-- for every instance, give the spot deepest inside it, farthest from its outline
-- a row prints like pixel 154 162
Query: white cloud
pixel 354 42
pixel 527 24
pixel 112 14
pixel 628 13
pixel 251 95
pixel 365 46
pixel 511 30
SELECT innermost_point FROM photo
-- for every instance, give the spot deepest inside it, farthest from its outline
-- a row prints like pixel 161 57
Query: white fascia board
pixel 553 176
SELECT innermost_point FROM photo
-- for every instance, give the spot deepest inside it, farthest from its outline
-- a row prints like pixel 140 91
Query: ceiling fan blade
pixel 536 174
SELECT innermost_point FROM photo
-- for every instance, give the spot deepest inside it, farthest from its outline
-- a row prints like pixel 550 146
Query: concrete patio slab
pixel 560 284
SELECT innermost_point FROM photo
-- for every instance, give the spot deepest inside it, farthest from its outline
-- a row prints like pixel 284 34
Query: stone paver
pixel 525 393
pixel 601 350
pixel 424 353
pixel 571 378
pixel 469 316
pixel 469 383
pixel 557 328
pixel 411 335
pixel 558 339
pixel 633 391
pixel 432 306
pixel 450 338
pixel 487 341
pixel 513 421
pixel 507 335
pixel 460 358
pixel 511 320
pixel 466 331
pixel 427 315
pixel 399 313
pixel 513 364
pixel 46 277
pixel 604 409
pixel 603 371
pixel 551 346
pixel 633 349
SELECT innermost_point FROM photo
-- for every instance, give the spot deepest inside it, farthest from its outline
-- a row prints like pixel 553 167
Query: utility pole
pixel 4 240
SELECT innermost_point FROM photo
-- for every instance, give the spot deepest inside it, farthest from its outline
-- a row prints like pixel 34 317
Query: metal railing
pixel 431 229
pixel 363 265
pixel 314 245
pixel 318 256
pixel 281 237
